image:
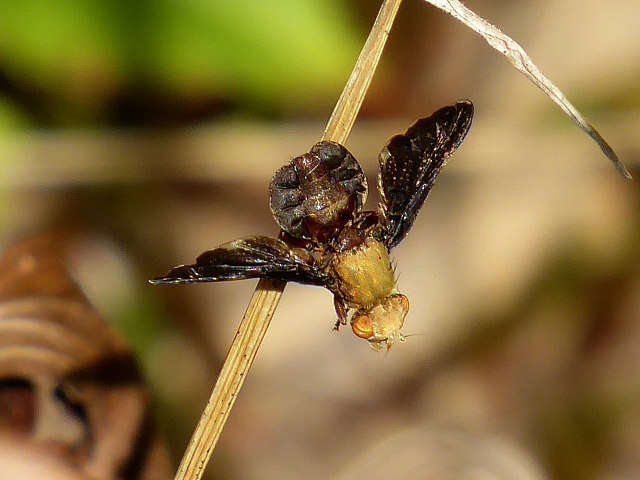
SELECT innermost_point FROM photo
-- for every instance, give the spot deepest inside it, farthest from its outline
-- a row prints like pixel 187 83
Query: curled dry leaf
pixel 68 385
pixel 520 60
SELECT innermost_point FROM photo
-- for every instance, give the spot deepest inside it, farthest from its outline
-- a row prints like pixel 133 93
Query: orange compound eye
pixel 361 326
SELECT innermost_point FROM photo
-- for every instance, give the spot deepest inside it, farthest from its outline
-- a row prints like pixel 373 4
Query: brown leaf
pixel 67 382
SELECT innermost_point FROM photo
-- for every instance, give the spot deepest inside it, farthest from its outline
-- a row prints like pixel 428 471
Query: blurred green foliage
pixel 267 56
pixel 10 116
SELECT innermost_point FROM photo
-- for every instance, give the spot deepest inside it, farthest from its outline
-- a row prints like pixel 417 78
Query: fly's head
pixel 381 324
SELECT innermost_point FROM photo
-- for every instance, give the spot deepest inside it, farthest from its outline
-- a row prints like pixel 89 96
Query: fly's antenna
pixel 404 337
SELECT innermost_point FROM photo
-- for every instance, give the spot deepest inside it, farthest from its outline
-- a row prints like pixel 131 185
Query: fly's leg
pixel 341 310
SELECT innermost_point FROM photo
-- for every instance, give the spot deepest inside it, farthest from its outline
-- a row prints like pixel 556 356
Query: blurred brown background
pixel 144 133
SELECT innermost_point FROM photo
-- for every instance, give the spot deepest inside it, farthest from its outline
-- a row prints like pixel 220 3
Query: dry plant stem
pixel 521 61
pixel 243 350
pixel 265 299
pixel 345 112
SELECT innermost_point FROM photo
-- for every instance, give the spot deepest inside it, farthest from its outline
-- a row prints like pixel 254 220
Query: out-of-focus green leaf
pixel 289 50
pixel 58 43
pixel 11 118
pixel 296 52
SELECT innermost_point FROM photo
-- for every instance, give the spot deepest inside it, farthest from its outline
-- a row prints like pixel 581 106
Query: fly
pixel 326 238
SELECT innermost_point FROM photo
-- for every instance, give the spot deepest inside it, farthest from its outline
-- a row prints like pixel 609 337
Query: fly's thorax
pixel 381 324
pixel 348 239
pixel 364 276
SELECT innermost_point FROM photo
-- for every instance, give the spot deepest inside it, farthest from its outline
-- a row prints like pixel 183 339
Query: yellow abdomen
pixel 364 273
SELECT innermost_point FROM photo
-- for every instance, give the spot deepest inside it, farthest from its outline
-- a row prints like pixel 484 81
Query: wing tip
pixel 177 275
pixel 465 103
pixel 169 281
pixel 466 110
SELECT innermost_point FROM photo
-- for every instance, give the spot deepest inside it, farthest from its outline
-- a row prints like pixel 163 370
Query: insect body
pixel 327 239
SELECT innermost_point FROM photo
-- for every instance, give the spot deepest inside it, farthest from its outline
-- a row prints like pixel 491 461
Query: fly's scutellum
pixel 327 239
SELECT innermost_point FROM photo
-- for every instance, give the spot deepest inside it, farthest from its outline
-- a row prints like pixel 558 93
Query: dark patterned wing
pixel 409 165
pixel 316 194
pixel 250 257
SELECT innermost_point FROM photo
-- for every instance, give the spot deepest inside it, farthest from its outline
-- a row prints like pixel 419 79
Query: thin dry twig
pixel 521 61
pixel 265 299
pixel 346 110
